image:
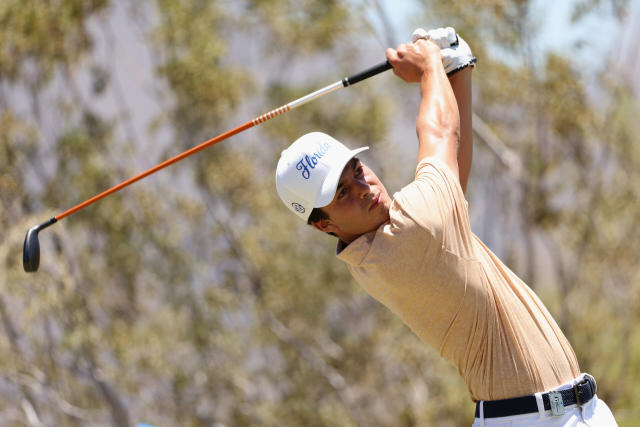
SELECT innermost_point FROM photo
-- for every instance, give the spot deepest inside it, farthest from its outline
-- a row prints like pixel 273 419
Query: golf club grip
pixel 370 72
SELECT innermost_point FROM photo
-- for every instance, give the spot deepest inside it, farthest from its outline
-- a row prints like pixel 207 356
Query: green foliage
pixel 192 49
pixel 16 144
pixel 307 25
pixel 583 7
pixel 43 34
pixel 566 106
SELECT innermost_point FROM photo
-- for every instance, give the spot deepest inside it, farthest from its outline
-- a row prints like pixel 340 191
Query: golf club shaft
pixel 347 81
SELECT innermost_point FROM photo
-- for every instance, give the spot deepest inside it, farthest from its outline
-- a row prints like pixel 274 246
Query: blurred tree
pixel 194 298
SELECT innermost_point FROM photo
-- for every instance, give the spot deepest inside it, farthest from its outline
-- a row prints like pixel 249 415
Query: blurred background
pixel 195 298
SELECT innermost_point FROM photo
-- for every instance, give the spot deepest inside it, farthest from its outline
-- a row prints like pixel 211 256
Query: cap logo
pixel 298 207
pixel 310 162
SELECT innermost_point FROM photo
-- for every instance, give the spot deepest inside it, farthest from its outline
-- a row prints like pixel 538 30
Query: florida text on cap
pixel 309 170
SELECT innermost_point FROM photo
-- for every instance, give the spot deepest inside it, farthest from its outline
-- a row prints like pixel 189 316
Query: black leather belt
pixel 555 401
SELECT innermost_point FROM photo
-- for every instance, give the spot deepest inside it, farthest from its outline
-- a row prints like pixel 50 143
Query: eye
pixel 342 192
pixel 359 171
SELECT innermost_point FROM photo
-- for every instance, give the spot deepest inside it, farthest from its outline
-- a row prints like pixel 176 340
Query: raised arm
pixel 438 121
pixel 461 85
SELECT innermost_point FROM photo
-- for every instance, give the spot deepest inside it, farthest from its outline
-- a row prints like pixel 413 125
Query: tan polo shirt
pixel 427 266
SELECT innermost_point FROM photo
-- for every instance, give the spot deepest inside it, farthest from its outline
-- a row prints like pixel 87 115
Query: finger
pixel 418 34
pixel 422 41
pixel 402 50
pixel 392 55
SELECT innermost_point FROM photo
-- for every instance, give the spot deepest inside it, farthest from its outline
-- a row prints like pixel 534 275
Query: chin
pixel 385 214
pixel 379 223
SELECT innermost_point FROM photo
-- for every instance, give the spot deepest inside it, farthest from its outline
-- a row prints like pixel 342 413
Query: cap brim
pixel 330 184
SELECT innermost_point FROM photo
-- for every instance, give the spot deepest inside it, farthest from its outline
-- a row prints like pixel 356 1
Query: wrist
pixel 431 69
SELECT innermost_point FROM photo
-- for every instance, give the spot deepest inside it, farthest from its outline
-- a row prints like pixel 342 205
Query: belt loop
pixel 540 404
pixel 482 423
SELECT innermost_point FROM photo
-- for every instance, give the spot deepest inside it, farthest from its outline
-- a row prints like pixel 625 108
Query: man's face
pixel 361 204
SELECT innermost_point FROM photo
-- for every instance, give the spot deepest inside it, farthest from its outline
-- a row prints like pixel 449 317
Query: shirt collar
pixel 354 253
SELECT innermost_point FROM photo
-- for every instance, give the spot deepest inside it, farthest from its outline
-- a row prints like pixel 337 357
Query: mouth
pixel 375 202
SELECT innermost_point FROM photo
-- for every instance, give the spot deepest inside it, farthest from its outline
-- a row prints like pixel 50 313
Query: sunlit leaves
pixel 43 34
pixel 308 25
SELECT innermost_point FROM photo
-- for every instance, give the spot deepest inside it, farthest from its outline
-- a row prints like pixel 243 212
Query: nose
pixel 363 189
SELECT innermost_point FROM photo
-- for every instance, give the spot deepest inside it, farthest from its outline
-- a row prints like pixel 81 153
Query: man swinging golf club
pixel 416 254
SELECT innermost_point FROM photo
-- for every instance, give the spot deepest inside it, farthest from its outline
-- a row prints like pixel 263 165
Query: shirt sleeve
pixel 435 201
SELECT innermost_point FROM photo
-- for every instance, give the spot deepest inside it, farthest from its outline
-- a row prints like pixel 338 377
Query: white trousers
pixel 595 413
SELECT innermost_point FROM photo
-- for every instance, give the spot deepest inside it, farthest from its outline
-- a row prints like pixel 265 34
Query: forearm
pixel 461 86
pixel 438 122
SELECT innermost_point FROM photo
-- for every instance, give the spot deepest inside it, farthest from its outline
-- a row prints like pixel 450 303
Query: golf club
pixel 31 247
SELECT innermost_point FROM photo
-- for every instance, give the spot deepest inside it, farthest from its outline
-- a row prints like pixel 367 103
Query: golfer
pixel 416 254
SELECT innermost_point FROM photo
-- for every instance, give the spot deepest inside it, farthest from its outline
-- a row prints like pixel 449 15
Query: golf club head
pixel 31 247
pixel 31 250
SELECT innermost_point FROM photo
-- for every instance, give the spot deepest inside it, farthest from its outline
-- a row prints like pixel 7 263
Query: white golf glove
pixel 456 53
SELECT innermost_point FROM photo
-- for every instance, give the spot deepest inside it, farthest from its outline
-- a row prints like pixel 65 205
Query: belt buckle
pixel 557 405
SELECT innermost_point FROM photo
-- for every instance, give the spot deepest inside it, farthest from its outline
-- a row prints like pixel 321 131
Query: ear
pixel 325 225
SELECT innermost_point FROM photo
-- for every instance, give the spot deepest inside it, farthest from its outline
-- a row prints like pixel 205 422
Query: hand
pixel 411 60
pixel 443 37
pixel 456 53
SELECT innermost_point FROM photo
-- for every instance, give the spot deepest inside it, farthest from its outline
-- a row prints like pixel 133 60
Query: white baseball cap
pixel 309 170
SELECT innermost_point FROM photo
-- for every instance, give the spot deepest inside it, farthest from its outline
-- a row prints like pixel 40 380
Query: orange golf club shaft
pixel 347 81
pixel 156 168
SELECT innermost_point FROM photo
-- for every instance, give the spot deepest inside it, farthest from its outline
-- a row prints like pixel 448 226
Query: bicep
pixel 442 147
